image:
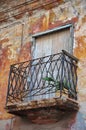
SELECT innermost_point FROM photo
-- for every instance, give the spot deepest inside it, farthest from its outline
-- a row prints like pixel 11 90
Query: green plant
pixel 53 82
pixel 65 85
pixel 56 83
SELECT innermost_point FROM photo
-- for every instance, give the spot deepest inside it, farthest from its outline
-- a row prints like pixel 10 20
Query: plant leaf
pixel 48 79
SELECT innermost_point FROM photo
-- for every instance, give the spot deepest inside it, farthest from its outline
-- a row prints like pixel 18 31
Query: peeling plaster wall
pixel 15 46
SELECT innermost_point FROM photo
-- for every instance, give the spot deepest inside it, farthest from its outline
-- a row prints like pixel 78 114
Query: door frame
pixel 34 36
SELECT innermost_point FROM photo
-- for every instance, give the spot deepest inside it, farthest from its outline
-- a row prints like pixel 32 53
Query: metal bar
pixel 71 56
pixel 61 84
pixel 52 67
pixel 8 87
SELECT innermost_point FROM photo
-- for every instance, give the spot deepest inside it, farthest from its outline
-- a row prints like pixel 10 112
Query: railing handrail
pixel 71 56
pixel 35 59
pixel 63 51
pixel 58 62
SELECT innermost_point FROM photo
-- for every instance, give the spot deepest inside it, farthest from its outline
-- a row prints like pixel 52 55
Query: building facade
pixel 20 22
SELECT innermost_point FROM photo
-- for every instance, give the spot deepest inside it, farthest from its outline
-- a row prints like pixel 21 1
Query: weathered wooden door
pixel 51 43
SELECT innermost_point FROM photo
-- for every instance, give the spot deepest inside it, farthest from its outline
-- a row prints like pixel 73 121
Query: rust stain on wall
pixel 4 40
pixel 11 52
pixel 36 24
pixel 80 50
pixel 25 52
pixel 84 19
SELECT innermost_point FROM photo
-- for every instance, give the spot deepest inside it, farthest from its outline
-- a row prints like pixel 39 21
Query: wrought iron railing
pixel 41 78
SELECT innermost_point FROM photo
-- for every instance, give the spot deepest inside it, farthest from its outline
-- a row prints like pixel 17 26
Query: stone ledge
pixel 44 111
pixel 62 103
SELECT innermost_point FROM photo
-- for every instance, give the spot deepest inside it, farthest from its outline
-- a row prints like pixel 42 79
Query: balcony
pixel 43 83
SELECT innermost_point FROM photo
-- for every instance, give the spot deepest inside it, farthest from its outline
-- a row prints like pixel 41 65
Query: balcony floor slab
pixel 62 103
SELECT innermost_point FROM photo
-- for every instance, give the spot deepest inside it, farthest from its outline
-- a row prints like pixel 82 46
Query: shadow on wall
pixel 69 121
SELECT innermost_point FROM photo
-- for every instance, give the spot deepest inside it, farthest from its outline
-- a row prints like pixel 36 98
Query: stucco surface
pixel 15 46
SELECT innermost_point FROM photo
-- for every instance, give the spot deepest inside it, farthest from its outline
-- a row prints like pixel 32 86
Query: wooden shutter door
pixel 52 43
